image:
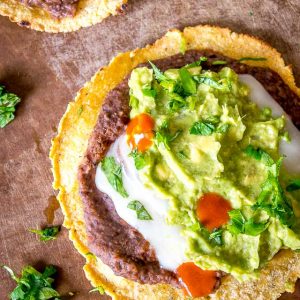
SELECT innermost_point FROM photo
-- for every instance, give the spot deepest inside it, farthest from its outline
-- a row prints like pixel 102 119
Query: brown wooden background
pixel 46 70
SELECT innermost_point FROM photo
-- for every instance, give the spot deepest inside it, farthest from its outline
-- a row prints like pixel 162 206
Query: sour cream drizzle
pixel 166 239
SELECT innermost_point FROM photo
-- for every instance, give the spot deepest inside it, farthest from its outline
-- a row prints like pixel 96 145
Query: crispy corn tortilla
pixel 89 12
pixel 69 145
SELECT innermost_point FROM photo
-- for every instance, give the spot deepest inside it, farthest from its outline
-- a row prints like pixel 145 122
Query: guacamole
pixel 210 138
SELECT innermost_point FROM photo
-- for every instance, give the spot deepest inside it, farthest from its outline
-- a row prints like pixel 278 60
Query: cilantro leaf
pixel 149 92
pixel 113 173
pixel 139 159
pixel 239 224
pixel 98 289
pixel 219 62
pixel 293 185
pixel 202 128
pixel 209 81
pixel 252 58
pixel 252 228
pixel 33 284
pixel 141 212
pixel 216 236
pixel 196 63
pixel 188 84
pixel 159 76
pixel 8 101
pixel 259 154
pixel 48 233
pixel 237 221
pixel 176 102
pixel 164 136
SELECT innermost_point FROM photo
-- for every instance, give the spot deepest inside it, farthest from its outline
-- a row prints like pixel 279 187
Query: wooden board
pixel 46 70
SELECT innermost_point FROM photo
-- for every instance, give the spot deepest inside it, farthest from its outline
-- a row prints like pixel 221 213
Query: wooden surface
pixel 46 70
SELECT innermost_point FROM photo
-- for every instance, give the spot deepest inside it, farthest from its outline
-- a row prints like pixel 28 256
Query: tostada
pixel 178 170
pixel 59 15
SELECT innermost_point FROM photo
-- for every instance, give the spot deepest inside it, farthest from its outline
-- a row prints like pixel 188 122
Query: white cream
pixel 169 245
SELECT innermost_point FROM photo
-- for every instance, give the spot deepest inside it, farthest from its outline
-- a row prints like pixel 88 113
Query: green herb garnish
pixel 149 92
pixel 98 289
pixel 113 172
pixel 272 198
pixel 141 212
pixel 209 81
pixel 202 128
pixel 259 154
pixel 238 224
pixel 33 285
pixel 219 62
pixel 216 236
pixel 196 63
pixel 48 233
pixel 139 159
pixel 188 84
pixel 8 101
pixel 164 136
pixel 293 185
pixel 252 58
pixel 159 76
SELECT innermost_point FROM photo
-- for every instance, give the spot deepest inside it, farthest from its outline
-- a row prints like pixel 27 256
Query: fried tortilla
pixel 82 14
pixel 77 125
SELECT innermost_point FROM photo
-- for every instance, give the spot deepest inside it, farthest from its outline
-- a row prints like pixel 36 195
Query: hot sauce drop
pixel 197 282
pixel 140 132
pixel 212 210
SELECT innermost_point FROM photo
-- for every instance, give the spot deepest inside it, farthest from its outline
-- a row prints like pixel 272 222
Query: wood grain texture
pixel 46 70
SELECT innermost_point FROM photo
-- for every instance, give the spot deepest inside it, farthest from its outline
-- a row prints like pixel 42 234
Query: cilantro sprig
pixel 48 233
pixel 208 127
pixel 8 101
pixel 113 172
pixel 272 198
pixel 33 284
pixel 141 212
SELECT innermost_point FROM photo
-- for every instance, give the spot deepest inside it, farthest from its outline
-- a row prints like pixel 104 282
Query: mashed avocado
pixel 209 137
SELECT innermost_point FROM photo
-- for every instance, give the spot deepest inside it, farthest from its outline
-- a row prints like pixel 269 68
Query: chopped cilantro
pixel 219 62
pixel 141 212
pixel 159 76
pixel 113 173
pixel 259 154
pixel 202 128
pixel 139 159
pixel 149 92
pixel 8 101
pixel 98 289
pixel 33 284
pixel 164 136
pixel 238 224
pixel 209 81
pixel 253 59
pixel 216 236
pixel 272 198
pixel 293 185
pixel 48 233
pixel 188 84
